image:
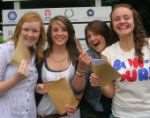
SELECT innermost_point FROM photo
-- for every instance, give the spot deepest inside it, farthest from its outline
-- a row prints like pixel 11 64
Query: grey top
pixel 93 94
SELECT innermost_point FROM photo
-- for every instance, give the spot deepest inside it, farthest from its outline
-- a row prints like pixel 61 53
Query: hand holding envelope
pixel 104 71
pixel 61 94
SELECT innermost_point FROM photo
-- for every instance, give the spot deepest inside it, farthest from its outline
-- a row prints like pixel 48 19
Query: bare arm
pixel 107 89
pixel 79 80
pixel 78 84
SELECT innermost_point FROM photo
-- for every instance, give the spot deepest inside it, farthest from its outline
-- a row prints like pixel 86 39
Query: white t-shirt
pixel 132 100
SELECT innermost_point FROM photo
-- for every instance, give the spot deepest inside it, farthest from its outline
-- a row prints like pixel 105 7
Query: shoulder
pixel 111 48
pixel 6 50
pixel 90 52
pixel 110 52
pixel 7 46
pixel 93 53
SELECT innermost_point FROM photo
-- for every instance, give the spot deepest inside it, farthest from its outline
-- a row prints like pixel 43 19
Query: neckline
pixel 129 51
pixel 52 70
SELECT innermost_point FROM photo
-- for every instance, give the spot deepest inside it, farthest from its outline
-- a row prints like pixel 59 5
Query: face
pixel 123 21
pixel 30 33
pixel 96 41
pixel 59 33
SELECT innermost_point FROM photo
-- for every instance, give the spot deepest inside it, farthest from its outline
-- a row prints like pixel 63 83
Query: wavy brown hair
pixel 138 32
pixel 30 17
pixel 71 43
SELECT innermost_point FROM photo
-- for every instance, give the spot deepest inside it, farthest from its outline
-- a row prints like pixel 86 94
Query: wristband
pixel 80 74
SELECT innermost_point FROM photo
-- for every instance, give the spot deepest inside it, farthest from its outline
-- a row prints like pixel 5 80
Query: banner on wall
pixel 79 16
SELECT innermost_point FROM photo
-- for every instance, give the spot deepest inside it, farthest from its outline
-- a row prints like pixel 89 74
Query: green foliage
pixel 1 39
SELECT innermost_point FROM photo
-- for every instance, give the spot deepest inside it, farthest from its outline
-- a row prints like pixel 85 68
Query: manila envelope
pixel 105 71
pixel 61 94
pixel 21 52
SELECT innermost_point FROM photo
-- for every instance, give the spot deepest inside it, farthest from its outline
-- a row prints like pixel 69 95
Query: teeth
pixel 95 44
pixel 123 26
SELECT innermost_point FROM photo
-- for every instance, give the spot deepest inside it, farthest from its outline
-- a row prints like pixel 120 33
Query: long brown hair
pixel 138 32
pixel 29 17
pixel 71 44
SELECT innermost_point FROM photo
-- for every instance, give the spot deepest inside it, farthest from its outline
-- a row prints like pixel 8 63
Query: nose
pixel 60 32
pixel 122 20
pixel 30 33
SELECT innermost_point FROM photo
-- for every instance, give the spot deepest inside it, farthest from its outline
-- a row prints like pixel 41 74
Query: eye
pixel 88 36
pixel 25 29
pixel 64 29
pixel 126 17
pixel 116 18
pixel 55 29
pixel 35 30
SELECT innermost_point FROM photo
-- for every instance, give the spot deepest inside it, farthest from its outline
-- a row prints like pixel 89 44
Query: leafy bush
pixel 1 39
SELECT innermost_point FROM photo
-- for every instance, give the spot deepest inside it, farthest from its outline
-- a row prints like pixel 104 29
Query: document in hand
pixel 104 70
pixel 61 94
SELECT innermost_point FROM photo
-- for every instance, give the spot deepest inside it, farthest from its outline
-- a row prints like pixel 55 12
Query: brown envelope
pixel 61 94
pixel 105 71
pixel 21 52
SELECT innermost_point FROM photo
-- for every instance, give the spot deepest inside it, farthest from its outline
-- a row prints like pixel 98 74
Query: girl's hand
pixel 70 109
pixel 107 89
pixel 42 88
pixel 95 80
pixel 84 62
pixel 23 69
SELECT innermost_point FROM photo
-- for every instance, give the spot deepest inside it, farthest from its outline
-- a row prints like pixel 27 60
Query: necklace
pixel 59 59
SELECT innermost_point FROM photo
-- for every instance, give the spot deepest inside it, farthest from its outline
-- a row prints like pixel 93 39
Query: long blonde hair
pixel 29 17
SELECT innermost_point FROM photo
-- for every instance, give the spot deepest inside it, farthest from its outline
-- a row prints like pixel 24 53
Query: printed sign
pixel 79 16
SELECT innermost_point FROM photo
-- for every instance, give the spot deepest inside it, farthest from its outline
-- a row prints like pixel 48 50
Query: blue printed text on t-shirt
pixel 133 69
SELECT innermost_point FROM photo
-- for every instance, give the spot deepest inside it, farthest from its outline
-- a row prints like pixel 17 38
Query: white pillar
pixel 98 3
pixel 16 4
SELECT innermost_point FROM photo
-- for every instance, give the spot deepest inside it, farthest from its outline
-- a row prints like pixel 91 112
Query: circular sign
pixel 90 12
pixel 12 15
pixel 69 13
